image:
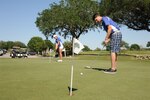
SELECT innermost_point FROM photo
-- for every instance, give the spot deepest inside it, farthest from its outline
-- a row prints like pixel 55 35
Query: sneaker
pixel 110 71
pixel 59 60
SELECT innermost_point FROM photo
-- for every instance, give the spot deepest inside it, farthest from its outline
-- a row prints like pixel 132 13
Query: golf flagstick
pixel 77 47
pixel 71 82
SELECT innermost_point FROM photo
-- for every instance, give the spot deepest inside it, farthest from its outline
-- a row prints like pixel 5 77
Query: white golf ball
pixel 81 73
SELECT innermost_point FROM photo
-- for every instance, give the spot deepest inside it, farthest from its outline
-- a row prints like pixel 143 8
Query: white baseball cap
pixel 54 35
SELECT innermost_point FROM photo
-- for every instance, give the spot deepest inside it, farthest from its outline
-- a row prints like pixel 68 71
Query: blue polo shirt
pixel 58 40
pixel 108 21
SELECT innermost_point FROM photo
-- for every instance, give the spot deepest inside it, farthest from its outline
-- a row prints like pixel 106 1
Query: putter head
pixel 87 67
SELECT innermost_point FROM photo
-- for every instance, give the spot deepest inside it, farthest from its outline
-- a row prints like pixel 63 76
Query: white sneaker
pixel 59 60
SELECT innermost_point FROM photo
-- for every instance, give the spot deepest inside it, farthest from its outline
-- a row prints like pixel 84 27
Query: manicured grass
pixel 42 79
pixel 129 52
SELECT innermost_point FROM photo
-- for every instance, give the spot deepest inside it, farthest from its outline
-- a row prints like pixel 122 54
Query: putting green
pixel 42 79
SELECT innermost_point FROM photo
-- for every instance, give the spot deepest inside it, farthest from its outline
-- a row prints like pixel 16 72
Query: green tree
pixel 97 49
pixel 3 45
pixel 148 44
pixel 49 44
pixel 19 44
pixel 68 18
pixel 134 14
pixel 10 44
pixel 68 47
pixel 86 48
pixel 135 47
pixel 36 44
pixel 125 44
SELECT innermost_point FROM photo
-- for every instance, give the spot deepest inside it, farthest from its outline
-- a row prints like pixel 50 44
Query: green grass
pixel 140 52
pixel 40 79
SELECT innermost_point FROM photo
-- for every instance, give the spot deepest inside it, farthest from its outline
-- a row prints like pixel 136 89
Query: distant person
pixel 58 47
pixel 113 35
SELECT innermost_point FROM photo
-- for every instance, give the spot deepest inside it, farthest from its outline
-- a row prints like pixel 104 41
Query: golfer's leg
pixel 60 54
pixel 113 60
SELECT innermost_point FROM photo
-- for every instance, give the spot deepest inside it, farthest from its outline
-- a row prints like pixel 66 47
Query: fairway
pixel 46 79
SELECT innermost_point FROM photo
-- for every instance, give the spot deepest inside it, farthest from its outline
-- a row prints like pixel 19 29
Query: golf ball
pixel 81 73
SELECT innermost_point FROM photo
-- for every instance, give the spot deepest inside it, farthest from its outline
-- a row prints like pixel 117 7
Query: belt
pixel 115 32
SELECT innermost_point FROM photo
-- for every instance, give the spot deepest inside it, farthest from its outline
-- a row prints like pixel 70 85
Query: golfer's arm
pixel 56 46
pixel 108 32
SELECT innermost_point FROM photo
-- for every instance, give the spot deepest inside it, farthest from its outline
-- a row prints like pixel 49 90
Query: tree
pixel 19 44
pixel 68 47
pixel 3 45
pixel 10 44
pixel 49 44
pixel 148 44
pixel 135 47
pixel 134 14
pixel 97 49
pixel 86 48
pixel 124 44
pixel 36 44
pixel 68 18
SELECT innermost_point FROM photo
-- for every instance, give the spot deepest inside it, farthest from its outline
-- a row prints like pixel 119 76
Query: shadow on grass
pixel 98 69
pixel 73 89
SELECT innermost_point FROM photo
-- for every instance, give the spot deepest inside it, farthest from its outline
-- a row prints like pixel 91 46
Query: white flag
pixel 78 46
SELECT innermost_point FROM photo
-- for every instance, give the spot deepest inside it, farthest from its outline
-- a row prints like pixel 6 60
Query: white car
pixel 1 52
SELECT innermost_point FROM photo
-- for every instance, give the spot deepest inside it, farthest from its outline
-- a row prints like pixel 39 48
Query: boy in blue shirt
pixel 59 46
pixel 113 35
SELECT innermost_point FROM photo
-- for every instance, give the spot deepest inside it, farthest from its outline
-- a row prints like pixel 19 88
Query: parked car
pixel 1 52
pixel 31 53
pixel 24 54
pixel 18 54
pixel 4 51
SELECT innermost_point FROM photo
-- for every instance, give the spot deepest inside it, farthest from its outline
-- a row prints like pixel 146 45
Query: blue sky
pixel 17 23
